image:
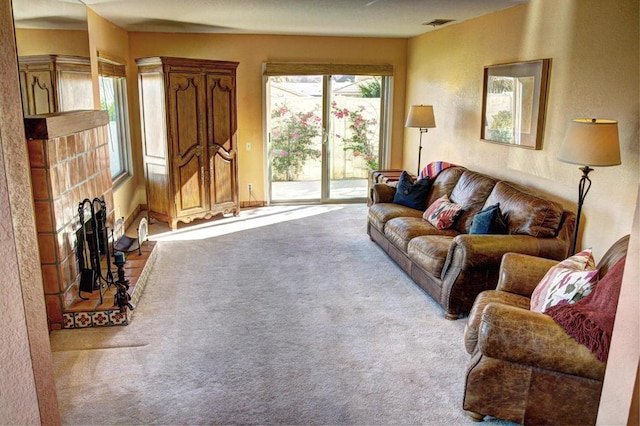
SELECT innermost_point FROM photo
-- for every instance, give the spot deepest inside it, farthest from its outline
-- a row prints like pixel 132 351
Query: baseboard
pixel 129 220
pixel 252 204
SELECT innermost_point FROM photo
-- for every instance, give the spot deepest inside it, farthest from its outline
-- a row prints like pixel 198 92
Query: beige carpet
pixel 285 315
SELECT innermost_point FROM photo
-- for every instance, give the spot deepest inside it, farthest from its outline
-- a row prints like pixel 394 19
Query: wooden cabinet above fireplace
pixel 189 126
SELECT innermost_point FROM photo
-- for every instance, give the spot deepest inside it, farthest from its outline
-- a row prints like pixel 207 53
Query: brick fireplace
pixel 69 157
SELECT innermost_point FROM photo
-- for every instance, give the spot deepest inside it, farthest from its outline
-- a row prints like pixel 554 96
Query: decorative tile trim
pixel 67 321
pixel 83 319
pixel 142 279
pixel 118 318
pixel 95 319
pixel 100 318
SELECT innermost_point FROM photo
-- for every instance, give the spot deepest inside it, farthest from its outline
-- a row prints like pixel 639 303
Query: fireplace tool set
pixel 93 248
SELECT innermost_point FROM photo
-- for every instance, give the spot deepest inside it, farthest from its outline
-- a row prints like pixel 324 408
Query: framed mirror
pixel 513 103
pixel 53 55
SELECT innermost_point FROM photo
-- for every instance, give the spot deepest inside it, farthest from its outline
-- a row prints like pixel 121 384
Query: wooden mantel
pixel 57 124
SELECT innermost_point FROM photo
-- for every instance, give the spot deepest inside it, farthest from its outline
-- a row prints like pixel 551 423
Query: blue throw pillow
pixel 412 194
pixel 489 221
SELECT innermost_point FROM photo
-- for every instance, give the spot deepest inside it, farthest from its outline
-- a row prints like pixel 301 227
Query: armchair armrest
pixel 524 337
pixel 521 273
pixel 382 193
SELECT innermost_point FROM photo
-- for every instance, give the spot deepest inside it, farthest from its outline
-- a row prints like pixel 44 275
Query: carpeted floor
pixel 285 315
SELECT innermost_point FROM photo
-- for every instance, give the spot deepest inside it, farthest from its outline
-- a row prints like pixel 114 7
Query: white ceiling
pixel 366 18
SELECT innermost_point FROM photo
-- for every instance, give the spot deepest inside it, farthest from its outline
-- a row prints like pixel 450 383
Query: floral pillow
pixel 565 283
pixel 442 213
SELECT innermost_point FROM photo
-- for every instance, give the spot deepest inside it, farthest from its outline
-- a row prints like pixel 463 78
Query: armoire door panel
pixel 72 89
pixel 222 187
pixel 190 196
pixel 157 188
pixel 187 129
pixel 185 105
pixel 221 91
pixel 41 93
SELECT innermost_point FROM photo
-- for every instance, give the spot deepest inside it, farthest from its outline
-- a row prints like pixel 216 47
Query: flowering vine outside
pixel 360 134
pixel 295 138
pixel 292 141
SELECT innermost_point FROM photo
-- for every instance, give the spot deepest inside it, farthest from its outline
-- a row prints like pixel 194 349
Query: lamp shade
pixel 591 142
pixel 421 116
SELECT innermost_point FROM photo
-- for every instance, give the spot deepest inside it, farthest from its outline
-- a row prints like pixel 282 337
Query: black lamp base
pixel 583 189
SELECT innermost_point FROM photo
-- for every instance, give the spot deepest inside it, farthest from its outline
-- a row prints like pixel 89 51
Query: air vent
pixel 438 22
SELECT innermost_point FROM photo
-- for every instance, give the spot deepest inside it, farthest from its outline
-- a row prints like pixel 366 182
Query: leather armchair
pixel 524 366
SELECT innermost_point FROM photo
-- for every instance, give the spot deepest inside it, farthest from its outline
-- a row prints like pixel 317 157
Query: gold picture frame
pixel 514 99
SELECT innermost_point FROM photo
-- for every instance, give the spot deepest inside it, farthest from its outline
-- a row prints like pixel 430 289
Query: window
pixel 113 99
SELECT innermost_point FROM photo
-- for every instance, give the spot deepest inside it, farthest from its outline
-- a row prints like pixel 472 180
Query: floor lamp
pixel 589 142
pixel 421 116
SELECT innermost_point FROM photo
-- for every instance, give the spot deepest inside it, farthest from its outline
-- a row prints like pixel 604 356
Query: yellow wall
pixel 593 47
pixel 113 42
pixel 52 42
pixel 251 51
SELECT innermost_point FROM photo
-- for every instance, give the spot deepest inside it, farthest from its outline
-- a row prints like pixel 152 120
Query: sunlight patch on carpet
pixel 266 217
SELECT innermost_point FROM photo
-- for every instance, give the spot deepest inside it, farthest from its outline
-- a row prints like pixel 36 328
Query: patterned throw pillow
pixel 442 213
pixel 412 194
pixel 567 282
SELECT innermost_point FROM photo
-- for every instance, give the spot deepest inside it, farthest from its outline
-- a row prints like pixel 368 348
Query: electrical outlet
pixel 250 186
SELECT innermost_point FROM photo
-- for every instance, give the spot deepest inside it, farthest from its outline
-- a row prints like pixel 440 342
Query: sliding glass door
pixel 324 135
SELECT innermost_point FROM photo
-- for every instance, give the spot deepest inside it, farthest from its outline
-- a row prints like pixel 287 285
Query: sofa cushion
pixel 527 213
pixel 567 282
pixel 444 183
pixel 471 192
pixel 412 194
pixel 489 221
pixel 380 214
pixel 442 214
pixel 400 230
pixel 430 252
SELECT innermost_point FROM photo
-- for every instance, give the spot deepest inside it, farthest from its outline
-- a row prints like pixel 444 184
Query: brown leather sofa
pixel 524 367
pixel 452 266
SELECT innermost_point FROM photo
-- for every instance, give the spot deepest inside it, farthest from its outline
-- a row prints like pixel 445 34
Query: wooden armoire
pixel 54 83
pixel 189 126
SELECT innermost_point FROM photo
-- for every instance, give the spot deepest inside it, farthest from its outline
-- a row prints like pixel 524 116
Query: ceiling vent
pixel 438 22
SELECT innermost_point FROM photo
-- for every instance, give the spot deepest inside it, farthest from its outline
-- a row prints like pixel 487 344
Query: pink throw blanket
pixel 590 320
pixel 431 170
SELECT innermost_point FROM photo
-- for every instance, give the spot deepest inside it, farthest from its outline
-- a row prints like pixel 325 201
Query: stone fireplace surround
pixel 69 158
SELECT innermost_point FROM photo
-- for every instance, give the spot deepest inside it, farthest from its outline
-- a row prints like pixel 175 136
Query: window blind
pixel 108 67
pixel 294 68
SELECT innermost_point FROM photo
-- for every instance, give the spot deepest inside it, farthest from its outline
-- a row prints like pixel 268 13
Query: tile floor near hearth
pixel 91 313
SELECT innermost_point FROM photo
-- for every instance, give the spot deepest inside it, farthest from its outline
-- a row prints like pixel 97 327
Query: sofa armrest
pixel 521 273
pixel 524 337
pixel 474 251
pixel 382 193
